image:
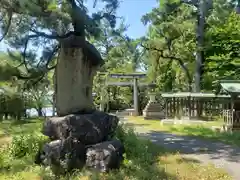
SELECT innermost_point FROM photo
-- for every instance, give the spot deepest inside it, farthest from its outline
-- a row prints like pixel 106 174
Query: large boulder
pixel 105 156
pixel 89 128
pixel 81 139
pixel 62 155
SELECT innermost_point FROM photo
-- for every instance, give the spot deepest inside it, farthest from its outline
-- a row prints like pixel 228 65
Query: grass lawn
pixel 198 130
pixel 144 160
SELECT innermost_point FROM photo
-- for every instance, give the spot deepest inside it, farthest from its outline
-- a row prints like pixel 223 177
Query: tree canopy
pixel 172 44
pixel 168 52
pixel 35 28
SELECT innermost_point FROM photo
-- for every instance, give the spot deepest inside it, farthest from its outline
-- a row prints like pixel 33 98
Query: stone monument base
pixel 79 140
pixel 153 110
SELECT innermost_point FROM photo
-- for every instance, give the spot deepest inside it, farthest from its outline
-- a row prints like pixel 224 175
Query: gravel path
pixel 221 155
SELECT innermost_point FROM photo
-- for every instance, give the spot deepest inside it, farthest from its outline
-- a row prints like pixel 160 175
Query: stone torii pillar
pixel 135 77
pixel 135 97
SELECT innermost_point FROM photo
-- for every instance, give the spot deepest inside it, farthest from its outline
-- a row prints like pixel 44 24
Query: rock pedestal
pixel 89 128
pixel 105 156
pixel 81 139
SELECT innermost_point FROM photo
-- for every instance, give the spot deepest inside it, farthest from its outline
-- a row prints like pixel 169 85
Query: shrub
pixel 4 163
pixel 135 148
pixel 26 144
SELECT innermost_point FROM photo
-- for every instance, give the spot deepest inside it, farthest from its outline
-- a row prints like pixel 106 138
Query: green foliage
pixel 223 57
pixel 171 45
pixel 40 94
pixel 9 68
pixel 141 148
pixel 16 160
pixel 12 103
pixel 27 144
pixel 33 30
pixel 122 55
pixel 17 95
pixel 170 63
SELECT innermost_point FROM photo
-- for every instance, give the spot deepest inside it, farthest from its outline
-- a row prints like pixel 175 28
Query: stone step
pixel 153 108
pixel 153 105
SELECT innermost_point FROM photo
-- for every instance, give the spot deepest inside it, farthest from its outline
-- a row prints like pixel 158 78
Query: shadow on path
pixel 204 151
pixel 192 145
pixel 221 155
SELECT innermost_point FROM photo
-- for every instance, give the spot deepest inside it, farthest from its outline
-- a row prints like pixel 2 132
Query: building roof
pixel 191 94
pixel 130 83
pixel 128 75
pixel 231 86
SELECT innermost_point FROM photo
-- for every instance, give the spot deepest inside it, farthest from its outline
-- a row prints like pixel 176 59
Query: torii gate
pixel 134 83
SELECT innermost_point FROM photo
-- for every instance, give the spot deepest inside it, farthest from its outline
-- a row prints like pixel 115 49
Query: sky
pixel 132 11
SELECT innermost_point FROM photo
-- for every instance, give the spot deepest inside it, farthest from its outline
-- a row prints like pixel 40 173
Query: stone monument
pixel 153 109
pixel 80 135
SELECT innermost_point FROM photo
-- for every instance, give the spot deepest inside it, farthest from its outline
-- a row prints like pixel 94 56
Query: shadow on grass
pixel 13 127
pixel 140 168
pixel 188 160
pixel 22 122
pixel 3 136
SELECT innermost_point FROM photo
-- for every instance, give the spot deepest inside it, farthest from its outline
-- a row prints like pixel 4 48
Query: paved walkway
pixel 221 155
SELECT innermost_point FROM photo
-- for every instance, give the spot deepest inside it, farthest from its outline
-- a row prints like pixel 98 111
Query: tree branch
pixel 181 63
pixel 168 67
pixel 168 40
pixel 10 14
pixel 78 18
pixel 95 3
pixel 49 58
pixel 51 36
pixel 191 2
pixel 3 14
pixel 54 52
pixel 15 6
pixel 31 82
pixel 25 49
pixel 24 62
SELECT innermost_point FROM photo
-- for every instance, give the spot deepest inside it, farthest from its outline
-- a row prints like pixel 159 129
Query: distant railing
pixel 227 116
pixel 183 107
pixel 231 117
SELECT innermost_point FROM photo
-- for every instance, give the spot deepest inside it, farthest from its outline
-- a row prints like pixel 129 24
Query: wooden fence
pixel 191 106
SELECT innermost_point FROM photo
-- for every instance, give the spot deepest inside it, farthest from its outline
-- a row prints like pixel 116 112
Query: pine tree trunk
pixel 39 111
pixel 200 44
pixel 53 108
pixel 54 96
pixel 74 79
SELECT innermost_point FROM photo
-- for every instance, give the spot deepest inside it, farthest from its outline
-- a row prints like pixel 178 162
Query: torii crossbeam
pixel 135 84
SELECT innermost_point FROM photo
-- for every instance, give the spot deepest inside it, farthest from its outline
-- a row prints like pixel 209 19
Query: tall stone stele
pixel 77 64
